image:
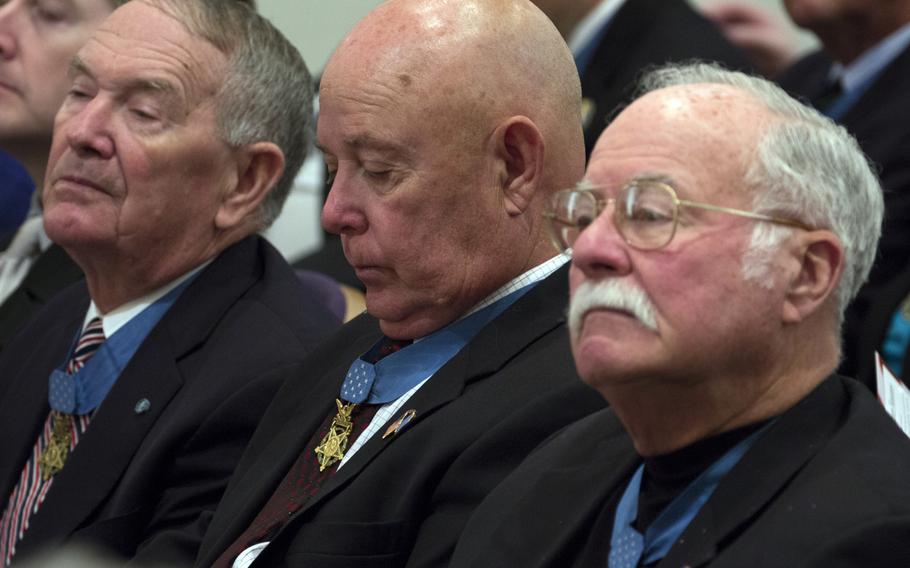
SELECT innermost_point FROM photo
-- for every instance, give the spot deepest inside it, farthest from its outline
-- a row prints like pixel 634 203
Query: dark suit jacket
pixel 645 33
pixel 880 121
pixel 403 500
pixel 832 465
pixel 52 271
pixel 135 476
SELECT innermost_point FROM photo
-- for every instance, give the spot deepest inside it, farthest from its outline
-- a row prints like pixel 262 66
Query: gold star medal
pixel 333 445
pixel 54 455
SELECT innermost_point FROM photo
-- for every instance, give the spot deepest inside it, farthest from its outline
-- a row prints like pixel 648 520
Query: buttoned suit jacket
pixel 135 476
pixel 642 34
pixel 880 121
pixel 401 500
pixel 827 469
pixel 52 271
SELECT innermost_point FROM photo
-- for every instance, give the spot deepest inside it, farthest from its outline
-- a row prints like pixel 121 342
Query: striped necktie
pixel 62 440
pixel 58 437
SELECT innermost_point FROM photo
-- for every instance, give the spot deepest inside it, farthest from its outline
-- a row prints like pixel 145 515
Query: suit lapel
pixel 117 429
pixel 761 475
pixel 24 406
pixel 891 79
pixel 106 448
pixel 532 316
pixel 564 503
pixel 288 425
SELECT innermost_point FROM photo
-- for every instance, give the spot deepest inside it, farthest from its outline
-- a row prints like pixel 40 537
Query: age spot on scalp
pixel 405 80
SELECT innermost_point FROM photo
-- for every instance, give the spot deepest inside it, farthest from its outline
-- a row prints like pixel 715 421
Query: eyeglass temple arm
pixel 741 213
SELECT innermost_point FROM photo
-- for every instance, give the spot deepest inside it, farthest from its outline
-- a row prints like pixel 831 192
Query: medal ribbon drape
pixel 58 438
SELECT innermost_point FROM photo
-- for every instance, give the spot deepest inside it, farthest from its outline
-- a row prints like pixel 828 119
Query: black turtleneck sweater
pixel 664 478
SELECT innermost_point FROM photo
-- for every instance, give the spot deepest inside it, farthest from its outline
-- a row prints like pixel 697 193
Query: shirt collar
pixel 531 276
pixel 586 30
pixel 870 63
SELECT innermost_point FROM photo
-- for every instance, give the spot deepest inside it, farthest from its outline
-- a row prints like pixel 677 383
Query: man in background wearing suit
pixel 445 126
pixel 720 231
pixel 37 42
pixel 613 41
pixel 126 402
pixel 861 79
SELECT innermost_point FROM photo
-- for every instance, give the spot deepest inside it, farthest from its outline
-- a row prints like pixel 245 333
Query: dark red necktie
pixel 304 478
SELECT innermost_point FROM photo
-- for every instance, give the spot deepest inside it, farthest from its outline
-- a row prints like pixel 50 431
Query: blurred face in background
pixel 38 39
pixel 818 14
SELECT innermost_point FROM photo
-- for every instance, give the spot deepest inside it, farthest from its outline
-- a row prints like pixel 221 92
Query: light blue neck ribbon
pixel 396 374
pixel 628 546
pixel 83 391
pixel 845 102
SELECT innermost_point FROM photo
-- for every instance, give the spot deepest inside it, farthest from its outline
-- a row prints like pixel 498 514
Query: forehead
pixel 140 39
pixel 701 137
pixel 375 100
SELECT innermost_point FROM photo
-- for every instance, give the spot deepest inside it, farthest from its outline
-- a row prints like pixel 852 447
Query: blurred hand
pixel 765 40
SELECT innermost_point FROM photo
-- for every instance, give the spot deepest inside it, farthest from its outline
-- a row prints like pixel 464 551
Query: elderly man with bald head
pixel 446 127
pixel 720 232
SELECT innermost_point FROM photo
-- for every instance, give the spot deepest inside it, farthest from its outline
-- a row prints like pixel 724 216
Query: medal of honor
pixel 54 455
pixel 333 445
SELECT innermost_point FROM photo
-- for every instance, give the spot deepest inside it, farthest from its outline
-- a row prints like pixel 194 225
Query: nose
pixel 343 213
pixel 88 129
pixel 8 44
pixel 600 250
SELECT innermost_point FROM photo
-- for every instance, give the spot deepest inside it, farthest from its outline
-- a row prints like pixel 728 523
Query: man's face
pixel 38 38
pixel 707 320
pixel 816 14
pixel 412 198
pixel 137 168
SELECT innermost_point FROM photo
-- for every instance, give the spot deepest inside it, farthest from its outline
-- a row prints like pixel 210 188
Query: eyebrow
pixel 586 184
pixel 653 177
pixel 370 142
pixel 79 67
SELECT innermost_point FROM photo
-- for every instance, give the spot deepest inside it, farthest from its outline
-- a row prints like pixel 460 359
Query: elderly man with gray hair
pixel 125 404
pixel 720 231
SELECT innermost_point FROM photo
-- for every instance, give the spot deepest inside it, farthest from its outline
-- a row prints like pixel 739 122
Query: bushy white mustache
pixel 614 294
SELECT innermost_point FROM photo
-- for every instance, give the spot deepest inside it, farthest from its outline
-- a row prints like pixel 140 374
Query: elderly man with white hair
pixel 720 231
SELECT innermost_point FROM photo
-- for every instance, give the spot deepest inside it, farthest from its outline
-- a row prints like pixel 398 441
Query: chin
pixel 411 325
pixel 68 228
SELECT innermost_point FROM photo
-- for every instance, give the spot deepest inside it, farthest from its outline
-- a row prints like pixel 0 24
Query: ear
pixel 520 147
pixel 821 261
pixel 259 167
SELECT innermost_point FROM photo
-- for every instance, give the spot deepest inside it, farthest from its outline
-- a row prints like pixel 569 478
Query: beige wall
pixel 316 26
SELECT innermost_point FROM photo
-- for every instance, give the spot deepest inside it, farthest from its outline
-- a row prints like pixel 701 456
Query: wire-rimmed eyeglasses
pixel 645 212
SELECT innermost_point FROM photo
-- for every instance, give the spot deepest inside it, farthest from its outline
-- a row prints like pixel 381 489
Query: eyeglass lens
pixel 644 214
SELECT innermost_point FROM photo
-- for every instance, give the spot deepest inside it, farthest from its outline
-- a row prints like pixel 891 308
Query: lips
pixel 7 86
pixel 367 272
pixel 79 181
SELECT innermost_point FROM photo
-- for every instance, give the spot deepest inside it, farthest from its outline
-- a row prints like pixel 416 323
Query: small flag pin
pixel 400 424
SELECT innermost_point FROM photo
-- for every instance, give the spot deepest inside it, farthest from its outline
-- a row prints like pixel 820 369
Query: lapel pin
pixel 399 425
pixel 587 112
pixel 142 406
